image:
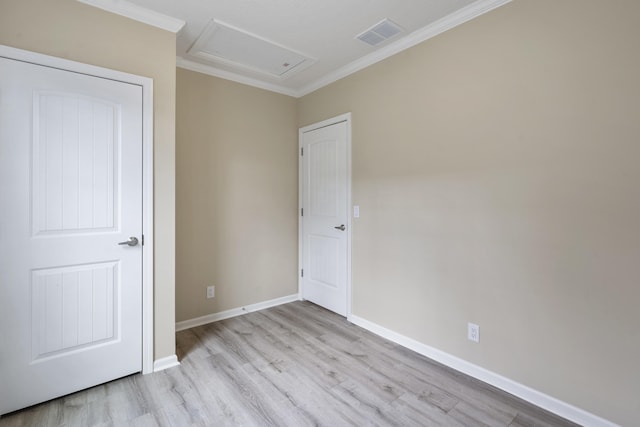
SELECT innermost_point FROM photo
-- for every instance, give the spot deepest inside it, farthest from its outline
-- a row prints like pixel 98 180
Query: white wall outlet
pixel 356 211
pixel 211 291
pixel 473 332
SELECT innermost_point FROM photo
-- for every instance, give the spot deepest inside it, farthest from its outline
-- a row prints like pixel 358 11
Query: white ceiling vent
pixel 221 43
pixel 383 30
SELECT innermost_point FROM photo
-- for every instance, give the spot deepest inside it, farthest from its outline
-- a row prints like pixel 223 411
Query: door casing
pixel 346 117
pixel 147 173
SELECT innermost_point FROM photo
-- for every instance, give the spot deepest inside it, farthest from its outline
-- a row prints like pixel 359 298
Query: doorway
pixel 324 216
pixel 76 190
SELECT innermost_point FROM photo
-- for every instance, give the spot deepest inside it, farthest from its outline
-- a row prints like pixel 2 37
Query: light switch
pixel 356 211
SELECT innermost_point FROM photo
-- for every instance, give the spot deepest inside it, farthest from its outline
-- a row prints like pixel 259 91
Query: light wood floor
pixel 292 365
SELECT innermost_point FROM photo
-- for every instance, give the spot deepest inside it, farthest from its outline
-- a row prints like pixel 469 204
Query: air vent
pixel 382 31
pixel 223 44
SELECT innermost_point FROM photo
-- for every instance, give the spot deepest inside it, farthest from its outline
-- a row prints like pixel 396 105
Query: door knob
pixel 133 241
pixel 341 227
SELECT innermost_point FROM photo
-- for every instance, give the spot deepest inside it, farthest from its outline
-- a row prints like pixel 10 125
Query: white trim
pixel 147 228
pixel 234 77
pixel 349 216
pixel 535 397
pixel 346 117
pixel 300 205
pixel 138 13
pixel 147 178
pixel 450 21
pixel 210 318
pixel 165 363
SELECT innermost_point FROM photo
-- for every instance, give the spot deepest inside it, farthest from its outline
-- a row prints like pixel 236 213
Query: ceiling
pixel 293 46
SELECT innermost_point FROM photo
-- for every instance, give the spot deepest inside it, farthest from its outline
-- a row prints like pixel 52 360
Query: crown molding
pixel 452 20
pixel 138 13
pixel 234 77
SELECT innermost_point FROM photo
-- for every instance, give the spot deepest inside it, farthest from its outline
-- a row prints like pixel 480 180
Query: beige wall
pixel 236 195
pixel 496 169
pixel 71 30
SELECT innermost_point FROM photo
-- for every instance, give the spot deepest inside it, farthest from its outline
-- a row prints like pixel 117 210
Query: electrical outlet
pixel 211 291
pixel 473 332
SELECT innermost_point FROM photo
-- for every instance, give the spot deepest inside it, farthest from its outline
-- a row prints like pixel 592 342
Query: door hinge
pixel 143 240
pixel 302 272
pixel 301 211
pixel 302 151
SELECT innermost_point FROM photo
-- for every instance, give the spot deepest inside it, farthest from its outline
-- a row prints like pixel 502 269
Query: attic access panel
pixel 221 43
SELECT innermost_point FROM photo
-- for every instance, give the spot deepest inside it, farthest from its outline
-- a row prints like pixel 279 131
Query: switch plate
pixel 473 332
pixel 356 211
pixel 211 291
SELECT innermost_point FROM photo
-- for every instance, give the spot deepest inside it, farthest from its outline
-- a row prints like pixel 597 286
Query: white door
pixel 325 225
pixel 70 192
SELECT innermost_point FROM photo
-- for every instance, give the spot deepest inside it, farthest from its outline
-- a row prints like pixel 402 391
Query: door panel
pixel 73 307
pixel 75 153
pixel 325 207
pixel 70 190
pixel 323 260
pixel 324 190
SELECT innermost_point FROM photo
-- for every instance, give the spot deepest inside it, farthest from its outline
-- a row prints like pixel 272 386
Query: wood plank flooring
pixel 292 365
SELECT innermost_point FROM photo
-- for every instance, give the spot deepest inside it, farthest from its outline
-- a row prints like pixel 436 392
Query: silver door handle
pixel 341 227
pixel 133 241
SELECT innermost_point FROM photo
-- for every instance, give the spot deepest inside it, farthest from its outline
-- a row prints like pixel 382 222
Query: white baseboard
pixel 165 363
pixel 209 318
pixel 535 397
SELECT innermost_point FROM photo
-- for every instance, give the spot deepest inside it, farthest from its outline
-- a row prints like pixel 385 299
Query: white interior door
pixel 70 191
pixel 325 225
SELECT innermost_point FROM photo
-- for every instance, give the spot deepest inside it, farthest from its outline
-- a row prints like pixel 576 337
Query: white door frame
pixel 147 173
pixel 346 117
